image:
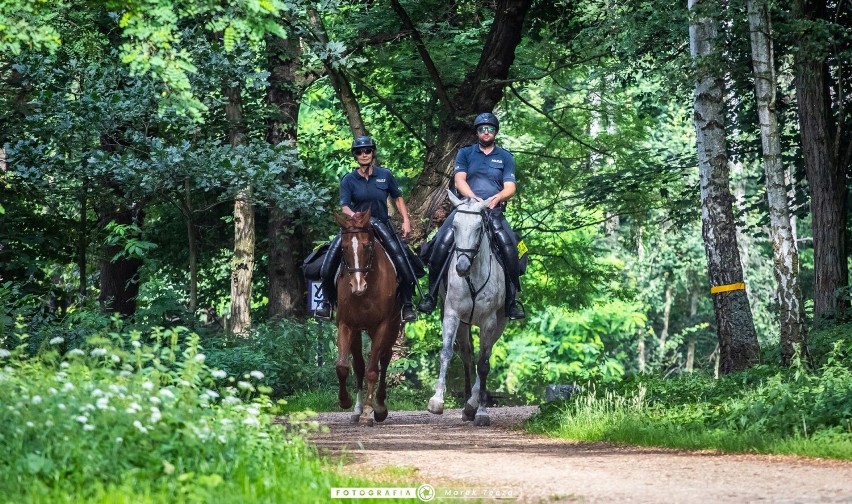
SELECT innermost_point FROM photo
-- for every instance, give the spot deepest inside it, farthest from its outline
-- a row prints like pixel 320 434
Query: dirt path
pixel 456 457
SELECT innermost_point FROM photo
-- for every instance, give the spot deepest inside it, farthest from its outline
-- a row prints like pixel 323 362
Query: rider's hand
pixel 495 200
pixel 406 227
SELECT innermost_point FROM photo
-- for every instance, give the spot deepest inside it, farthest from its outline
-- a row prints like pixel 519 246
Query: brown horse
pixel 366 301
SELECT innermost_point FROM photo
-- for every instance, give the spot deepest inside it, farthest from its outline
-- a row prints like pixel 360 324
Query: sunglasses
pixel 359 152
pixel 486 129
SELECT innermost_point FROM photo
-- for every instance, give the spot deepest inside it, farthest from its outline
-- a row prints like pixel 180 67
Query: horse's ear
pixel 342 219
pixel 453 199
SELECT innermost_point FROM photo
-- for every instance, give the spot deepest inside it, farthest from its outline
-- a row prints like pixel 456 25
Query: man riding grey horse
pixel 482 170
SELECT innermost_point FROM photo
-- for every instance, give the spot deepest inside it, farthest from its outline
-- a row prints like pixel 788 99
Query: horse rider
pixel 482 170
pixel 368 186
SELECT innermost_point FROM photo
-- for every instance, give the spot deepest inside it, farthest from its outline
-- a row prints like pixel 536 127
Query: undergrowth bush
pixel 138 413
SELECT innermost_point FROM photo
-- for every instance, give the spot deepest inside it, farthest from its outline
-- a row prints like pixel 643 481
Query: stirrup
pixel 408 313
pixel 323 312
pixel 427 304
pixel 515 311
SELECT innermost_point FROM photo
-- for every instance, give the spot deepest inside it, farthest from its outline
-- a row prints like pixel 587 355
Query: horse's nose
pixel 359 285
pixel 463 266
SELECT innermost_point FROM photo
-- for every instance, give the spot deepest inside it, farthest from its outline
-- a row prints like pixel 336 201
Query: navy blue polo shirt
pixel 485 173
pixel 359 194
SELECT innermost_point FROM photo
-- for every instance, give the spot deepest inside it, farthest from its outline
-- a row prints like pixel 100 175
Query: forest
pixel 683 173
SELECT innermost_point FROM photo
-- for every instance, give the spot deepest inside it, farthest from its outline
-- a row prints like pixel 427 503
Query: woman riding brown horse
pixel 367 301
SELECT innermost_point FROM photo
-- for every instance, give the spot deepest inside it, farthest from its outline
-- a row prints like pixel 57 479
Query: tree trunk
pixel 826 174
pixel 287 289
pixel 480 92
pixel 119 278
pixel 734 325
pixel 192 241
pixel 664 332
pixel 242 264
pixel 340 82
pixel 690 347
pixel 83 239
pixel 785 252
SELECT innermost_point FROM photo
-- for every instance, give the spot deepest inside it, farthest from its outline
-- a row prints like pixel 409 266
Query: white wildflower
pixel 251 421
pixel 68 387
pixel 212 394
pixel 82 419
pixel 52 391
pixel 256 375
pixel 155 415
pixel 115 358
pixel 231 400
pixel 4 353
pixel 64 365
pixel 244 385
pixel 36 399
pixel 155 400
pixel 30 424
pixel 166 393
pixel 148 386
pixel 253 411
pixel 76 351
pixel 102 403
pixel 57 340
pixel 98 352
pixel 97 393
pixel 133 408
pixel 119 440
pixel 60 406
pixel 141 427
pixel 136 344
pixel 125 374
pixel 88 427
pixel 200 357
pixel 218 373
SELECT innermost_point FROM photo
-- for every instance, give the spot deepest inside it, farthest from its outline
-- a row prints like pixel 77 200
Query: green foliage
pixel 568 347
pixel 138 412
pixel 285 352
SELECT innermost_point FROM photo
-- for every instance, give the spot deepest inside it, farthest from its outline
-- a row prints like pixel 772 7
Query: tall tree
pixel 785 251
pixel 734 325
pixel 480 91
pixel 287 83
pixel 242 264
pixel 827 151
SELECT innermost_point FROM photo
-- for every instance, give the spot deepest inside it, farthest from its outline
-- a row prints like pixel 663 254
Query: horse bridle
pixel 471 253
pixel 369 246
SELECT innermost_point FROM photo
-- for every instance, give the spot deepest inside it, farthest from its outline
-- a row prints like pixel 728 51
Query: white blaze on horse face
pixel 359 285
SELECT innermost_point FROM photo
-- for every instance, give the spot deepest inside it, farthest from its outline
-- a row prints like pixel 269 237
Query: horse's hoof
pixel 380 416
pixel 482 421
pixel 436 407
pixel 468 412
pixel 345 402
pixel 354 418
pixel 365 422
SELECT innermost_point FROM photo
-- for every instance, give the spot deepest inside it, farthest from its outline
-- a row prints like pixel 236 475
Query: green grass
pixel 399 399
pixel 631 420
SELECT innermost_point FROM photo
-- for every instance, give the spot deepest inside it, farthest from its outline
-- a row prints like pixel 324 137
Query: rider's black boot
pixel 406 292
pixel 437 264
pixel 328 271
pixel 509 251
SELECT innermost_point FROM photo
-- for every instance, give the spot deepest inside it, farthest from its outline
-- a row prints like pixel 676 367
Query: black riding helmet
pixel 361 142
pixel 486 118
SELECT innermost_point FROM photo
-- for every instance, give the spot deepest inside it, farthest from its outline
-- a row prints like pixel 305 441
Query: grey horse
pixel 475 295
